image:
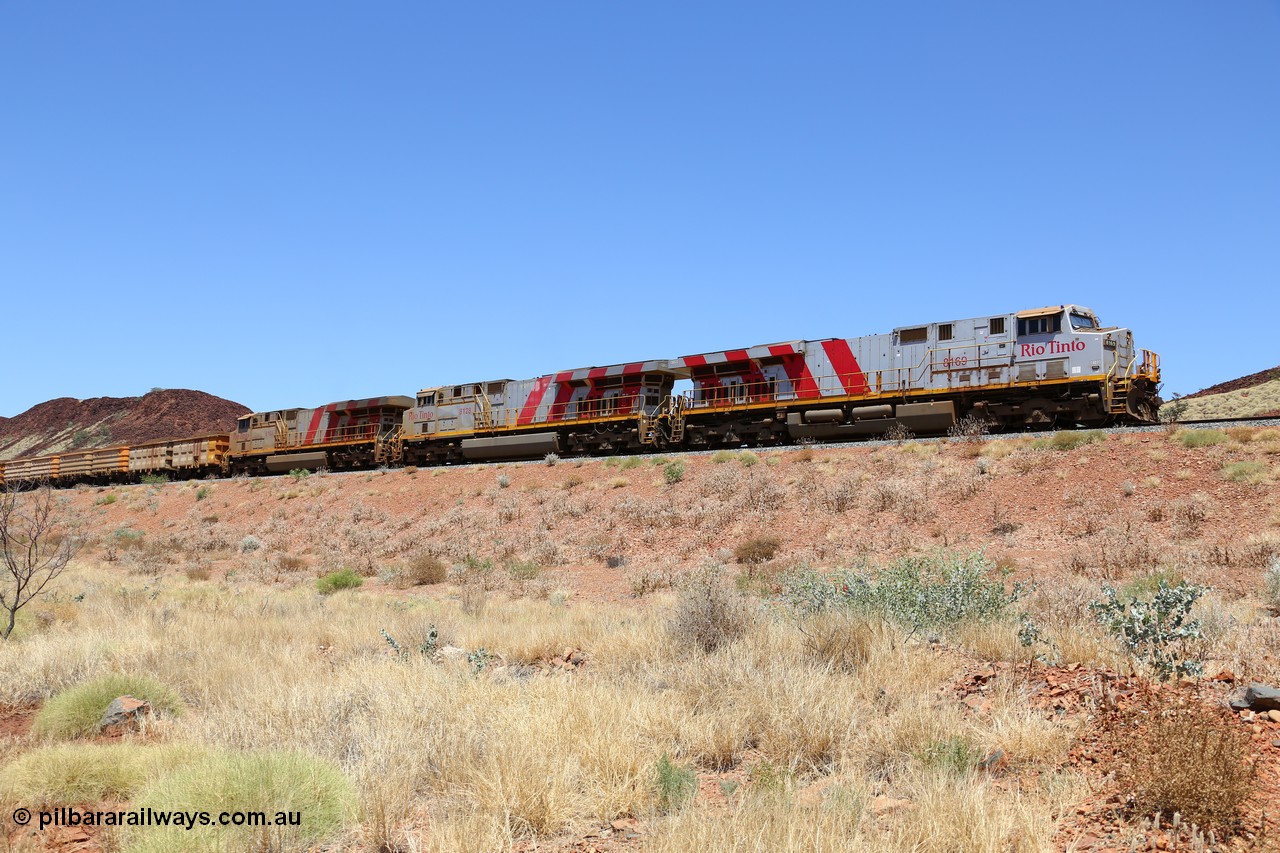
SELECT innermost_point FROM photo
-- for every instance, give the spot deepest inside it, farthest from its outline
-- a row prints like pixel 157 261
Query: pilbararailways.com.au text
pixel 66 816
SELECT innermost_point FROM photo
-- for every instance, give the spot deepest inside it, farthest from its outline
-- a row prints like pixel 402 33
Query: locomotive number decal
pixel 955 361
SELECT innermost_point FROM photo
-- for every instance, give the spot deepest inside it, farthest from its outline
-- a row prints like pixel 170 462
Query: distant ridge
pixel 1252 396
pixel 66 423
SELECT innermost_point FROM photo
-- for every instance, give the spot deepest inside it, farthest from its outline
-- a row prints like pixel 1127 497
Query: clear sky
pixel 292 203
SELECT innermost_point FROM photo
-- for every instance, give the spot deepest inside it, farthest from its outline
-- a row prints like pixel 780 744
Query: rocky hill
pixel 1255 395
pixel 67 423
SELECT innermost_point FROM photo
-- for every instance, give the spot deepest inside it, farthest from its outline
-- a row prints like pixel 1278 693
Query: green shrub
pixel 1199 437
pixel 273 782
pixel 1156 631
pixel 955 755
pixel 674 785
pixel 299 473
pixel 202 493
pixel 106 500
pixel 1245 472
pixel 155 479
pixel 747 458
pixel 1066 440
pixel 722 456
pixel 933 592
pixel 523 570
pixel 629 463
pixel 673 472
pixel 70 773
pixel 337 581
pixel 76 711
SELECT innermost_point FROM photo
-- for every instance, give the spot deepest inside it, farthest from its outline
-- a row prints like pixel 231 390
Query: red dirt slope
pixel 67 423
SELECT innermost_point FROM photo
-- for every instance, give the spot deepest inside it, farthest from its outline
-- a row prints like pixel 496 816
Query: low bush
pixel 933 592
pixel 105 500
pixel 673 785
pixel 954 755
pixel 1271 585
pixel 197 572
pixel 1190 760
pixel 1193 438
pixel 673 472
pixel 760 549
pixel 708 614
pixel 1245 472
pixel 337 581
pixel 76 711
pixel 154 479
pixel 422 570
pixel 722 456
pixel 524 570
pixel 1067 440
pixel 1156 631
pixel 278 782
pixel 202 493
pixel 70 773
pixel 747 458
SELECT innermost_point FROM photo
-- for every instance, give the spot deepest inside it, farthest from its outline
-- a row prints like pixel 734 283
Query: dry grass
pixel 1234 404
pixel 843 708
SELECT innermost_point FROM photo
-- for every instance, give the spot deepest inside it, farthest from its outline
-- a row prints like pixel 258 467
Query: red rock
pixel 125 713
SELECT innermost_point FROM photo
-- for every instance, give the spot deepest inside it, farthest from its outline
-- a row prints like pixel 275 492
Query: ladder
pixel 650 425
pixel 648 428
pixel 483 411
pixel 1119 396
pixel 386 448
pixel 282 434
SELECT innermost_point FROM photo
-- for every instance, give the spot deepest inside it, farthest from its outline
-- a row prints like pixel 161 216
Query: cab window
pixel 1040 325
pixel 1082 321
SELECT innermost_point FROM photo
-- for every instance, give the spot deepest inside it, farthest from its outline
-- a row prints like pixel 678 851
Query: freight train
pixel 1040 368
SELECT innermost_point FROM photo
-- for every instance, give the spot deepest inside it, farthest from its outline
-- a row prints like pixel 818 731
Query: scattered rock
pixel 995 762
pixel 124 714
pixel 1258 697
pixel 451 653
pixel 1226 676
pixel 1274 716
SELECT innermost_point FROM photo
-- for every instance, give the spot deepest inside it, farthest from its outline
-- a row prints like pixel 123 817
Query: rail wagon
pixel 591 409
pixel 346 434
pixel 100 464
pixel 200 456
pixel 32 468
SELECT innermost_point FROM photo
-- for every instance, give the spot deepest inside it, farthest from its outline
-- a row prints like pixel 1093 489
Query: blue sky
pixel 293 203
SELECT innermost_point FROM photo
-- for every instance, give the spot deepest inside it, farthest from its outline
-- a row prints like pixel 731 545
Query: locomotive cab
pixel 1067 346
